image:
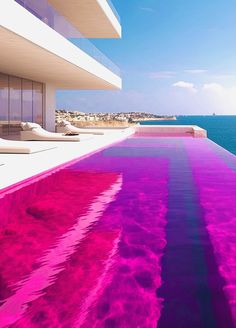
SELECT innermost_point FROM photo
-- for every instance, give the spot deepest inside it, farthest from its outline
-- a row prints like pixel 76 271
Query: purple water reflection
pixel 139 234
pixel 216 182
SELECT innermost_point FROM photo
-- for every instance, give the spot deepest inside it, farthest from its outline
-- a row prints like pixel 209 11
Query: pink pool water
pixel 141 234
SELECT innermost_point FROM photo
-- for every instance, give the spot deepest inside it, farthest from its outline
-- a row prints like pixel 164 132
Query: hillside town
pixel 122 117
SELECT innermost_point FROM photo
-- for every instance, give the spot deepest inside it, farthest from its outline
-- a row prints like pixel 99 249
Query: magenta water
pixel 141 234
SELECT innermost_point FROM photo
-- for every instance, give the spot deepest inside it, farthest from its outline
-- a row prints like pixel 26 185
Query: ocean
pixel 220 128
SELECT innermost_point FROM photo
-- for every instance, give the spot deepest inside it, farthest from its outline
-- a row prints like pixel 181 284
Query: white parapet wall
pixel 169 130
pixel 49 107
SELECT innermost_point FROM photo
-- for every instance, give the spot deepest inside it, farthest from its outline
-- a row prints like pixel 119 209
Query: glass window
pixel 4 104
pixel 38 103
pixel 20 100
pixel 14 104
pixel 27 100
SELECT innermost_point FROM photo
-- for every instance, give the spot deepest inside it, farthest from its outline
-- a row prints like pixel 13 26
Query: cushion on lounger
pixel 29 126
pixel 23 126
pixel 65 123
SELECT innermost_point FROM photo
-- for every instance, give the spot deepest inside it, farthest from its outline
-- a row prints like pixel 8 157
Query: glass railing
pixel 47 14
pixel 114 10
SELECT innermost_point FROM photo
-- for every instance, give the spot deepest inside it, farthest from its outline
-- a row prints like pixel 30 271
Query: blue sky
pixel 175 56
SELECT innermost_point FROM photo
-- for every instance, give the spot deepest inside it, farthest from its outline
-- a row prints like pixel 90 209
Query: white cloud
pixel 149 9
pixel 185 85
pixel 211 97
pixel 223 98
pixel 161 74
pixel 214 87
pixel 224 76
pixel 195 71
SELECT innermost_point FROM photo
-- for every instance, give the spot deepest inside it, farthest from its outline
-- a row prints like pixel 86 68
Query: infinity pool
pixel 140 234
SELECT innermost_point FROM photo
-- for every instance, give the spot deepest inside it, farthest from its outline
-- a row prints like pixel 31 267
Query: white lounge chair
pixel 67 127
pixel 20 147
pixel 33 131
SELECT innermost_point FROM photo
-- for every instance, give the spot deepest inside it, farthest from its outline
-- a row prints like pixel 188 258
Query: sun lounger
pixel 20 147
pixel 67 127
pixel 33 131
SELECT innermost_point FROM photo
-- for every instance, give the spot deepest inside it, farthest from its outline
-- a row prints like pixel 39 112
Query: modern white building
pixel 43 47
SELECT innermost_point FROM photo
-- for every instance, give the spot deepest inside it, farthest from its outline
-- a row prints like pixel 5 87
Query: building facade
pixel 44 47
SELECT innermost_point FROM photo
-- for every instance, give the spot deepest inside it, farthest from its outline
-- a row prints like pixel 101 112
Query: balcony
pixel 39 44
pixel 94 18
pixel 114 10
pixel 47 14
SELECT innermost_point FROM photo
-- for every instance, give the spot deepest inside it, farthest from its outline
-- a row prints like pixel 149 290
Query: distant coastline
pixel 109 119
pixel 164 118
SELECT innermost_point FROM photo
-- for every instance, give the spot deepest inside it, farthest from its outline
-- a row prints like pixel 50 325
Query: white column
pixel 49 107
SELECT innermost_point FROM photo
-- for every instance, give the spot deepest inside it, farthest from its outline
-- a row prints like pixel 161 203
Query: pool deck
pixel 18 167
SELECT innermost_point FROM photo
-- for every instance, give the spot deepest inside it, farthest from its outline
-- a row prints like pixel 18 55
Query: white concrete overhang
pixel 94 18
pixel 31 49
